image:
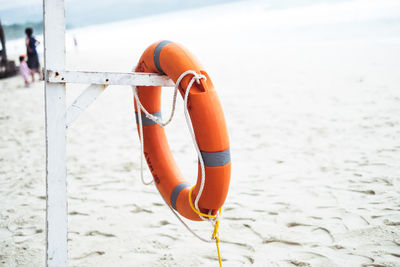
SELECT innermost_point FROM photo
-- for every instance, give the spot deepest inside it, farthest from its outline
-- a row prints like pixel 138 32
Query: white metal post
pixel 56 172
pixel 58 118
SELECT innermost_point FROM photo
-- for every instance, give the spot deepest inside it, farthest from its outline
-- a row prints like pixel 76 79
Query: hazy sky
pixel 7 4
pixel 77 11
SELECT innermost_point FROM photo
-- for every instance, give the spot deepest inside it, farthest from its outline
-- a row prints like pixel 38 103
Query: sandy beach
pixel 311 97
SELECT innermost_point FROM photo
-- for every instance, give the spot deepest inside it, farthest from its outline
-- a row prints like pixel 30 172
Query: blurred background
pixel 310 91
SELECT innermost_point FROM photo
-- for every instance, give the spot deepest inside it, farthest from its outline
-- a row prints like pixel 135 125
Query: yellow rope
pixel 215 236
pixel 195 210
pixel 216 226
pixel 219 253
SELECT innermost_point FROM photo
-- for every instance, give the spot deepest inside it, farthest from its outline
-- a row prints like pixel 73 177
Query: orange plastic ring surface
pixel 209 127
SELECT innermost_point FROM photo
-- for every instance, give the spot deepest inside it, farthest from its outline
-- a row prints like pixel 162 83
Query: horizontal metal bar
pixel 108 78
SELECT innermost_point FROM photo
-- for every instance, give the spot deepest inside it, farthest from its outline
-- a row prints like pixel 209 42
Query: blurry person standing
pixel 33 59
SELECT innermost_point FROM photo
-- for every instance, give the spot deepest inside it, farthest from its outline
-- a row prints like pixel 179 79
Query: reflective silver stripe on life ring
pixel 175 193
pixel 156 55
pixel 214 159
pixel 146 121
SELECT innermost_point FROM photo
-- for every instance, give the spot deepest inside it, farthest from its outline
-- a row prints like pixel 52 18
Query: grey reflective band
pixel 146 121
pixel 175 193
pixel 156 55
pixel 214 159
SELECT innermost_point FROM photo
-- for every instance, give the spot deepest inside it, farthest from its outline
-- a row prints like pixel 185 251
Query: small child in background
pixel 24 70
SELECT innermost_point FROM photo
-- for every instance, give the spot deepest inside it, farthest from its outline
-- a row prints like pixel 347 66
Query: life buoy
pixel 209 127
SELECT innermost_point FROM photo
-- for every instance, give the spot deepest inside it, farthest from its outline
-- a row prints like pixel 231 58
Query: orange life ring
pixel 209 127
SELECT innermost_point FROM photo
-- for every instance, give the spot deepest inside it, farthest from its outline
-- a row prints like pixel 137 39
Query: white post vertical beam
pixel 56 174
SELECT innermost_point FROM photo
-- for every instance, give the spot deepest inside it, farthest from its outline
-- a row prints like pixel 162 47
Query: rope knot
pixel 198 77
